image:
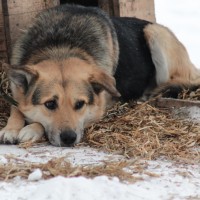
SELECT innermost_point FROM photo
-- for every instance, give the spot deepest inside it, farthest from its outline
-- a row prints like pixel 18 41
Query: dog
pixel 74 61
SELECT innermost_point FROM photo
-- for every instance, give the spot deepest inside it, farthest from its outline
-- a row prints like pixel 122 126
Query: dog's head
pixel 65 97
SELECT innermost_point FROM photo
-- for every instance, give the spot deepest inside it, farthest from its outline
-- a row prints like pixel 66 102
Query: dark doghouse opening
pixel 81 2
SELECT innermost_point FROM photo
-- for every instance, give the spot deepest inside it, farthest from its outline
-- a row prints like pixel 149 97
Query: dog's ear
pixel 21 76
pixel 102 81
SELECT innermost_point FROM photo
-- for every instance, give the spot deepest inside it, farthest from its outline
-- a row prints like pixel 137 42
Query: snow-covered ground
pixel 174 181
pixel 171 181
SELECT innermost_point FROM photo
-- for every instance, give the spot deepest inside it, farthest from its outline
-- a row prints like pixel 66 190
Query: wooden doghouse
pixel 15 15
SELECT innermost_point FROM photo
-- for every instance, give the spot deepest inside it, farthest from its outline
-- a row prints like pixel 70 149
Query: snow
pixel 36 175
pixel 44 153
pixel 173 181
pixel 3 160
pixel 194 113
pixel 87 189
pixel 189 113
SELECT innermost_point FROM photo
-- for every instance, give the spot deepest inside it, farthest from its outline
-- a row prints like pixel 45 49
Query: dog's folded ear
pixel 102 81
pixel 21 76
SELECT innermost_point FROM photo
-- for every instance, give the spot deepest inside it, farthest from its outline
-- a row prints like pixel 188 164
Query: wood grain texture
pixel 19 13
pixel 143 9
pixel 174 103
pixel 3 45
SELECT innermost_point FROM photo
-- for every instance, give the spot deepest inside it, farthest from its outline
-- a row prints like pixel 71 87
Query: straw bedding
pixel 60 167
pixel 190 95
pixel 135 130
pixel 143 131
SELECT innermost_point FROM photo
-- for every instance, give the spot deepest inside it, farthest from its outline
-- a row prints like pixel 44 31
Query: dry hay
pixel 144 131
pixel 186 94
pixel 60 167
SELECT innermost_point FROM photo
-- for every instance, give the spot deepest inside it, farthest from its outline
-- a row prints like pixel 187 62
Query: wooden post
pixel 143 9
pixel 110 6
pixel 3 46
pixel 19 13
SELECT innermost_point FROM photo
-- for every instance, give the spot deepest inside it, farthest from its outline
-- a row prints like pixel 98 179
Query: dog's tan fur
pixel 68 81
pixel 170 57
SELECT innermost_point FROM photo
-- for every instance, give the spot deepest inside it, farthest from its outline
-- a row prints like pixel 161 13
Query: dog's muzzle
pixel 68 138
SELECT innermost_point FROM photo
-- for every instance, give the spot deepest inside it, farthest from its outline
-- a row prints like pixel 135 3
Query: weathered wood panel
pixel 19 13
pixel 27 6
pixel 175 103
pixel 3 46
pixel 110 6
pixel 2 36
pixel 143 9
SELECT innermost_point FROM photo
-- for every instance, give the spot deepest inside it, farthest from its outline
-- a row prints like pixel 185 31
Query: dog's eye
pixel 79 105
pixel 51 105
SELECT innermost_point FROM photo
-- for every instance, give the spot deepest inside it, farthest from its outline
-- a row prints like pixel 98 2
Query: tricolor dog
pixel 72 61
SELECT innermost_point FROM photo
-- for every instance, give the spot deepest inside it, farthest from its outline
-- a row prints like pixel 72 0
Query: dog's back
pixel 135 71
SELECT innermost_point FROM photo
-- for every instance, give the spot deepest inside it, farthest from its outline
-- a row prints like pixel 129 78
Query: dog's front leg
pixel 15 132
pixel 11 131
pixel 32 132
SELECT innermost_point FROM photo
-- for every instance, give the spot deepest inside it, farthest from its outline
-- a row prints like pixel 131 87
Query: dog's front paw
pixel 9 135
pixel 32 133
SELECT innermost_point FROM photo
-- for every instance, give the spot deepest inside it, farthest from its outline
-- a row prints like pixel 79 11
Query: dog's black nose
pixel 68 137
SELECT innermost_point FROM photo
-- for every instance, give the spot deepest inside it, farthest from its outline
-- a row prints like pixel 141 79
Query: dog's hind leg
pixel 158 53
pixel 11 131
pixel 170 57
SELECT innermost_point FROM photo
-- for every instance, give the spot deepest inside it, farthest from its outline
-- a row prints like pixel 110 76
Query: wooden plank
pixel 143 9
pixel 174 103
pixel 106 6
pixel 116 8
pixel 3 45
pixel 27 6
pixel 1 9
pixel 17 25
pixel 18 15
pixel 110 6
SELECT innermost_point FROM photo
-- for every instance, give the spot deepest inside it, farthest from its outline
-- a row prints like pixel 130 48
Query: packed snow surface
pixel 172 180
